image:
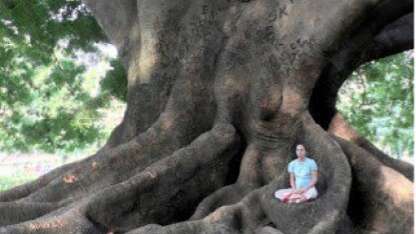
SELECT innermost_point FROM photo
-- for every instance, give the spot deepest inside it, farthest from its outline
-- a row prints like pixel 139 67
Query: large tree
pixel 219 92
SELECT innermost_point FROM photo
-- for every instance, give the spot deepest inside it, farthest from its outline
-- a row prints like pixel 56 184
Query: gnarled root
pixel 75 181
pixel 32 186
pixel 259 212
pixel 186 191
pixel 382 198
pixel 152 195
pixel 340 128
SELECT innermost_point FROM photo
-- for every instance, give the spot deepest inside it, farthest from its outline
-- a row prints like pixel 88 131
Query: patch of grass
pixel 7 182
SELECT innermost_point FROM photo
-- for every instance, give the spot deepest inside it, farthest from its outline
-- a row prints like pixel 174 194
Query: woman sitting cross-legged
pixel 303 177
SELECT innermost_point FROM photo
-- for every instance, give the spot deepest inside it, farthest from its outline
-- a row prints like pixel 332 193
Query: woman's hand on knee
pixel 300 191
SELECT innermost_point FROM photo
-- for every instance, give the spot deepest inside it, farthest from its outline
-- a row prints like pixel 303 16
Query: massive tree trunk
pixel 219 92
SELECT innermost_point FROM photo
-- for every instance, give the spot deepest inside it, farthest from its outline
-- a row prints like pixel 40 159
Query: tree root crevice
pixel 382 198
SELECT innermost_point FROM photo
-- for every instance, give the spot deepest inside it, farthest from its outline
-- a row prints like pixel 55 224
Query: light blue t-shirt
pixel 302 171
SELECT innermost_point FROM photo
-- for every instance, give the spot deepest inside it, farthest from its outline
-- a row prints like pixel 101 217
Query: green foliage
pixel 7 182
pixel 378 102
pixel 47 99
pixel 115 81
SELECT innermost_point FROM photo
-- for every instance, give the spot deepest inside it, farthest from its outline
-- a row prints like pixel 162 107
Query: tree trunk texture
pixel 219 93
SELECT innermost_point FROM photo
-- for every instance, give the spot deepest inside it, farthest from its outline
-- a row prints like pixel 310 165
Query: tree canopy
pixel 378 102
pixel 49 101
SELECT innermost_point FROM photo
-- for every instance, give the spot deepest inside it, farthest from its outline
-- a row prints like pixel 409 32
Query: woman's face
pixel 300 151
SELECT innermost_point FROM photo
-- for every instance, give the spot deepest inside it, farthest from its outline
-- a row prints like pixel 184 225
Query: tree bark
pixel 219 93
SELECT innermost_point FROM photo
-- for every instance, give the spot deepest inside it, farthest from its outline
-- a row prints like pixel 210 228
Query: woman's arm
pixel 313 181
pixel 292 181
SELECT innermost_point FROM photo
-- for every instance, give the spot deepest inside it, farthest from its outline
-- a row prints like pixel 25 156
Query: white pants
pixel 282 194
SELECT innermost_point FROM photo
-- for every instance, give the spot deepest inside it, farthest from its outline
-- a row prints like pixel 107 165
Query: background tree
pixel 219 92
pixel 378 102
pixel 45 89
